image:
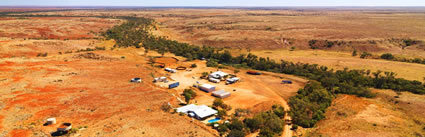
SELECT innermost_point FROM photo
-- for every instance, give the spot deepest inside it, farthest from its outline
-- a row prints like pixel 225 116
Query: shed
pixel 221 94
pixel 207 87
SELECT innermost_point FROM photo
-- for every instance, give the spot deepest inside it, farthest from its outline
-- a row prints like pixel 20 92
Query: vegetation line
pixel 307 107
pixel 390 57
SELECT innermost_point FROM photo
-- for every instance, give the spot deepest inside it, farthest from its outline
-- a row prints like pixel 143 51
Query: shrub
pixel 387 56
pixel 218 102
pixel 193 65
pixel 365 55
pixel 236 124
pixel 165 107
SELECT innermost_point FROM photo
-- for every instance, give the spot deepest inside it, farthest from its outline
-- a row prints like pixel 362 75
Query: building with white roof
pixel 199 112
pixel 207 88
pixel 218 74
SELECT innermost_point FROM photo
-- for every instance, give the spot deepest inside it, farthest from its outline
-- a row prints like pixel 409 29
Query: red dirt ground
pixel 20 133
pixel 93 93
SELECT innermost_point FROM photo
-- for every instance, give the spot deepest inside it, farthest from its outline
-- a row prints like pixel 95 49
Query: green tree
pixel 236 124
pixel 253 124
pixel 188 95
pixel 266 132
pixel 187 98
pixel 387 56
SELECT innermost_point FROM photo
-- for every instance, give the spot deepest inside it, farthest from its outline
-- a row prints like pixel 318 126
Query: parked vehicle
pixel 286 82
pixel 253 72
pixel 173 85
pixel 214 80
pixel 232 80
pixel 65 127
pixel 136 80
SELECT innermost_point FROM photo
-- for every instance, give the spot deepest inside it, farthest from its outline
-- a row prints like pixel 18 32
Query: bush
pixel 387 56
pixel 236 124
pixel 193 65
pixel 165 107
pixel 236 133
pixel 365 55
pixel 204 74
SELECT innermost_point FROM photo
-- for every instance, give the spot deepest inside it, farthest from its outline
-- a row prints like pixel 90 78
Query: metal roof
pixel 201 111
pixel 208 86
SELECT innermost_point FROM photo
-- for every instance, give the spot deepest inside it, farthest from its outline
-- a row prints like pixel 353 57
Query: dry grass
pixel 382 116
pixel 281 29
pixel 54 27
pixel 341 60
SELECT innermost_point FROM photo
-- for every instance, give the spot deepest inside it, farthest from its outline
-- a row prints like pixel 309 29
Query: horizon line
pixel 41 6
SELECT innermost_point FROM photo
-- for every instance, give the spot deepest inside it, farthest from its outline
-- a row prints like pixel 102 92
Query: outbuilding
pixel 218 75
pixel 207 88
pixel 221 94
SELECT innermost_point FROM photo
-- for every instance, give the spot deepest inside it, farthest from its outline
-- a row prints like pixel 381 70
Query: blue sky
pixel 212 2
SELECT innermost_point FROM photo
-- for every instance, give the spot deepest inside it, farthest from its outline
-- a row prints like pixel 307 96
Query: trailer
pixel 253 73
pixel 160 79
pixel 170 70
pixel 232 80
pixel 286 82
pixel 174 85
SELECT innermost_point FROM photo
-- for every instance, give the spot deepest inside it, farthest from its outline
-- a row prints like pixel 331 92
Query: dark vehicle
pixel 286 82
pixel 253 72
pixel 173 85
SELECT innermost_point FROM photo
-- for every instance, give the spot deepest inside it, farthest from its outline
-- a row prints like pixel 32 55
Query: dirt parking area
pixel 250 91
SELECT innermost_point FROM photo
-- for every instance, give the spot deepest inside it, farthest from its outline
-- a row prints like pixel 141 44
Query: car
pixel 136 80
